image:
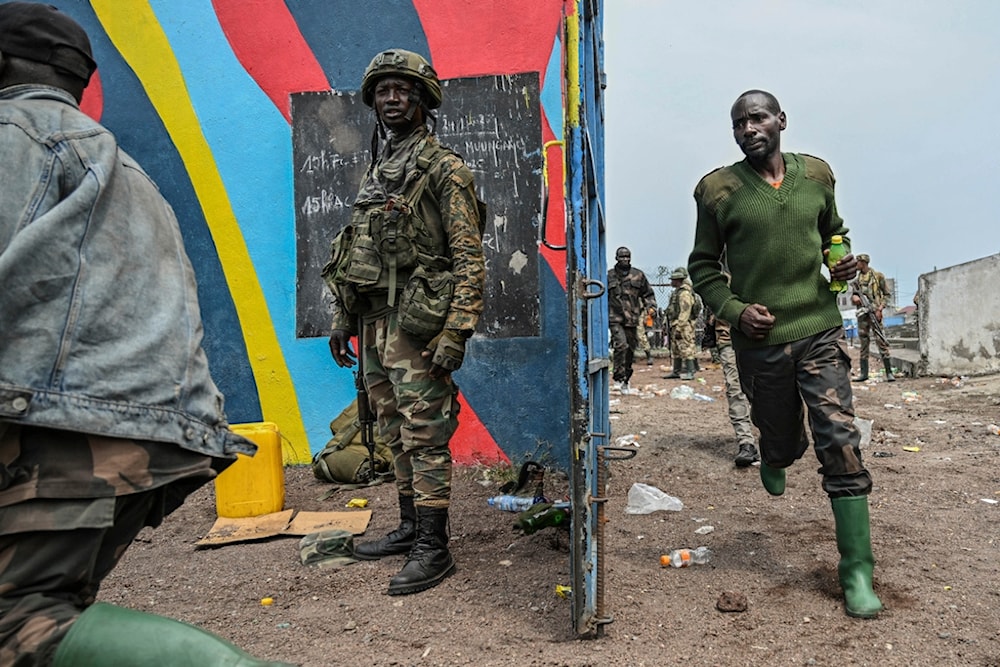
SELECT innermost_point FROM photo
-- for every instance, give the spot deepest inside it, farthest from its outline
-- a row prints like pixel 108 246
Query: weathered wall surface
pixel 959 310
pixel 199 93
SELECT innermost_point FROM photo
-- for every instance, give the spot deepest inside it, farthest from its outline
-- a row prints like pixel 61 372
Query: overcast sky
pixel 901 97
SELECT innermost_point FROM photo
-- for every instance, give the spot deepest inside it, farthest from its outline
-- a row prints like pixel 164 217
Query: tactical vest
pixel 388 255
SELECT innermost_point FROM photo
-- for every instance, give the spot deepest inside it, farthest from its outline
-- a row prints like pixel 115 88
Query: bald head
pixel 763 98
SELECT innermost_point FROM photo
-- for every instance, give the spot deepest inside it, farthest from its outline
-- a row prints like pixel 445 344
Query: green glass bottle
pixel 837 251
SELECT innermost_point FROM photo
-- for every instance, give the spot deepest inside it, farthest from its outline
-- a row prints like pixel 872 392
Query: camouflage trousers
pixel 642 340
pixel 815 371
pixel 417 414
pixel 739 406
pixel 623 344
pixel 682 340
pixel 865 339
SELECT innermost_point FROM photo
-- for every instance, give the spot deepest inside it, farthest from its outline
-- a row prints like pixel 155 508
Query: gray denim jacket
pixel 100 329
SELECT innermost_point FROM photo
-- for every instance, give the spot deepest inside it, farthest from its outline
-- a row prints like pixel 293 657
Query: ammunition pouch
pixel 426 299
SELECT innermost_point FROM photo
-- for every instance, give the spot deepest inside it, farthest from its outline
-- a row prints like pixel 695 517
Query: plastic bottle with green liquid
pixel 837 251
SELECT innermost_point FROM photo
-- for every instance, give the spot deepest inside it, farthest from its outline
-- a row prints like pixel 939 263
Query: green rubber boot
pixel 676 373
pixel 108 636
pixel 773 479
pixel 854 543
pixel 863 375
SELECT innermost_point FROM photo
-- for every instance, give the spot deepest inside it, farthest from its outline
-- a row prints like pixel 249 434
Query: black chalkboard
pixel 494 122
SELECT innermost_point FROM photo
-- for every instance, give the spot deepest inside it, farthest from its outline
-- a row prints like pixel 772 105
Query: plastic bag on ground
pixel 644 499
pixel 865 426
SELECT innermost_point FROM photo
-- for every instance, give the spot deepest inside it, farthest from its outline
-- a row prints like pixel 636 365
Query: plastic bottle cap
pixel 836 238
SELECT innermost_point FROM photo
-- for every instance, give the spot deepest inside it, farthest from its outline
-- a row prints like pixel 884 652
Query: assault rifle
pixel 868 309
pixel 366 418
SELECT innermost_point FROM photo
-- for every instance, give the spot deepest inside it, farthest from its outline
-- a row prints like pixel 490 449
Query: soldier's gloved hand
pixel 340 348
pixel 447 351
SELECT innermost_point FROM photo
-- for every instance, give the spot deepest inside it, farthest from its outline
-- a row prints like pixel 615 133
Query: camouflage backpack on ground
pixel 345 460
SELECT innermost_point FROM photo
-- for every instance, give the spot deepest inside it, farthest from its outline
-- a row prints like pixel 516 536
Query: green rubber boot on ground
pixel 688 366
pixel 854 543
pixel 773 479
pixel 863 371
pixel 676 373
pixel 887 364
pixel 108 636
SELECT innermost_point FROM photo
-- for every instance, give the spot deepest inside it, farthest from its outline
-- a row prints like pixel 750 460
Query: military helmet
pixel 680 273
pixel 864 258
pixel 398 62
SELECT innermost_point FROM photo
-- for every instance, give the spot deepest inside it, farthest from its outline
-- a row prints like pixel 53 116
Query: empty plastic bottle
pixel 509 503
pixel 686 557
pixel 837 251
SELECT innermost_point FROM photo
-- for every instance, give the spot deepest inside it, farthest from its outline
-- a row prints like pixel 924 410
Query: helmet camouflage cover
pixel 680 273
pixel 399 62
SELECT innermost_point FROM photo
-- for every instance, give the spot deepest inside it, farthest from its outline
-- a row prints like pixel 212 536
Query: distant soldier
pixel 739 405
pixel 681 317
pixel 630 296
pixel 871 285
pixel 644 334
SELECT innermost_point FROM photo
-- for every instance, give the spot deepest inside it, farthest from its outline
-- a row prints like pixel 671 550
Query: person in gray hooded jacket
pixel 109 417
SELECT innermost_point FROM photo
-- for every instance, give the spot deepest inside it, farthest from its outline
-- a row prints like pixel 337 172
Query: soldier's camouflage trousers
pixel 682 340
pixel 48 577
pixel 739 407
pixel 623 344
pixel 417 414
pixel 816 371
pixel 641 339
pixel 865 339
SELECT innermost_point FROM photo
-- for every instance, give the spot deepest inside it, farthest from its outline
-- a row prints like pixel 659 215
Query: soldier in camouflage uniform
pixel 410 279
pixel 630 296
pixel 739 406
pixel 108 415
pixel 771 218
pixel 680 314
pixel 872 285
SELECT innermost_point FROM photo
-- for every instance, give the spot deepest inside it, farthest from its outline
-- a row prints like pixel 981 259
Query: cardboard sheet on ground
pixel 288 522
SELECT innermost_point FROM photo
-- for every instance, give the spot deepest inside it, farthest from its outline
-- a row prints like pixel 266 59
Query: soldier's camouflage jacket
pixel 629 296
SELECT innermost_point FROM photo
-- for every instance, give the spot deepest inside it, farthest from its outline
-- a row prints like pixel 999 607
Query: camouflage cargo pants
pixel 815 371
pixel 623 342
pixel 48 577
pixel 739 406
pixel 865 339
pixel 417 414
pixel 682 340
pixel 641 338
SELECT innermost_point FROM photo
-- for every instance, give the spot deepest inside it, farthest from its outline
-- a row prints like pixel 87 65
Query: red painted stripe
pixel 473 37
pixel 267 41
pixel 92 103
pixel 472 443
pixel 555 215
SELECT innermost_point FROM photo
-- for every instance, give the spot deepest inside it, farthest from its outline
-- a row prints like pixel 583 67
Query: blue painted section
pixel 518 386
pixel 345 35
pixel 251 143
pixel 551 95
pixel 129 114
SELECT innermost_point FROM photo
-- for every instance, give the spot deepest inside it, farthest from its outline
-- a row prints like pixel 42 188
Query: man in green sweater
pixel 770 218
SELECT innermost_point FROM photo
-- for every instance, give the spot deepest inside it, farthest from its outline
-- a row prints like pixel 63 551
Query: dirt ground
pixel 934 524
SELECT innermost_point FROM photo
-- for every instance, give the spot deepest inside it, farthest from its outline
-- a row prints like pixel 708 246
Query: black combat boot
pixel 429 561
pixel 747 455
pixel 649 357
pixel 864 371
pixel 677 370
pixel 889 377
pixel 398 541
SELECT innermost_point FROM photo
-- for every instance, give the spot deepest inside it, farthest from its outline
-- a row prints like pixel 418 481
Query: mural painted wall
pixel 198 91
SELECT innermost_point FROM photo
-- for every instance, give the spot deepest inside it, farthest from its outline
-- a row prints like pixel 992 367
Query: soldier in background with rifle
pixel 869 297
pixel 407 275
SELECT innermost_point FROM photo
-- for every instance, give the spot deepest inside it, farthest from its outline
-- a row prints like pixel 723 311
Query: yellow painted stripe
pixel 573 67
pixel 136 33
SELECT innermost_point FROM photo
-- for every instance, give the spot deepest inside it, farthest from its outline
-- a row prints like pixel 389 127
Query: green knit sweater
pixel 773 240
